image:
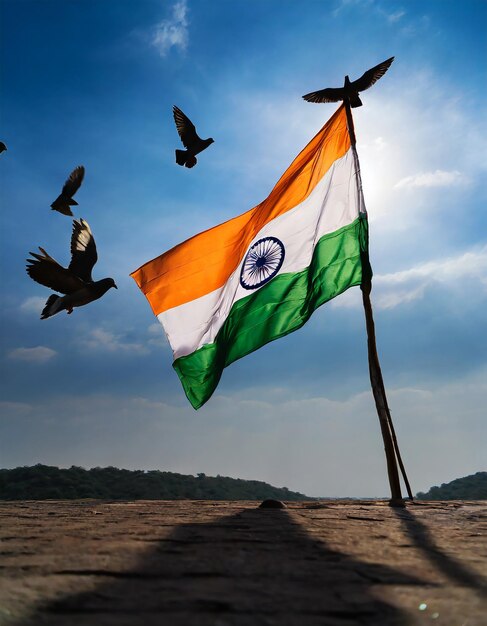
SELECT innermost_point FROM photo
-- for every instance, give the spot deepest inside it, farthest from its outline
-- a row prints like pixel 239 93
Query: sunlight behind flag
pixel 233 288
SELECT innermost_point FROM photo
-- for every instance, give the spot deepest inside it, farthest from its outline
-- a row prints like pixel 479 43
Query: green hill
pixel 43 482
pixel 472 487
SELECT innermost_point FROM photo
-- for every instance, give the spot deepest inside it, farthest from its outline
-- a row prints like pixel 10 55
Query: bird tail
pixel 52 307
pixel 184 158
pixel 355 102
pixel 61 207
pixel 181 156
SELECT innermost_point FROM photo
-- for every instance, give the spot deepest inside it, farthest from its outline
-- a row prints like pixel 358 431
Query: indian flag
pixel 233 288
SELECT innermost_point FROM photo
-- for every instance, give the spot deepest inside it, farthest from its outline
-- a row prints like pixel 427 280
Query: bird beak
pixel 115 286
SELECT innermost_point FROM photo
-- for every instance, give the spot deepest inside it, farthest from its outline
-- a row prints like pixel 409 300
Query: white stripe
pixel 334 202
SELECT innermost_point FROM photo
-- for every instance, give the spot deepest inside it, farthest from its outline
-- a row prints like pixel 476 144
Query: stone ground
pixel 200 563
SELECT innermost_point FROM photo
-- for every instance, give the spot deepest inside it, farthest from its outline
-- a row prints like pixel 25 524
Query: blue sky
pixel 92 82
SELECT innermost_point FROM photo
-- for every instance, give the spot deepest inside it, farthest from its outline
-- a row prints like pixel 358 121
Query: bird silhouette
pixel 63 202
pixel 350 90
pixel 3 147
pixel 193 144
pixel 75 282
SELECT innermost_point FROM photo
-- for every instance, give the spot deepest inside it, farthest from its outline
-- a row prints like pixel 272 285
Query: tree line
pixel 44 482
pixel 473 487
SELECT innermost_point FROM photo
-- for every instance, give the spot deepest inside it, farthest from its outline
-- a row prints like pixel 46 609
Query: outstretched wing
pixel 372 76
pixel 46 271
pixel 74 181
pixel 331 94
pixel 83 250
pixel 185 127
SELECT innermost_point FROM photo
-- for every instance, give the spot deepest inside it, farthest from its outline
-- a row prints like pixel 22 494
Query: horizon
pixel 418 496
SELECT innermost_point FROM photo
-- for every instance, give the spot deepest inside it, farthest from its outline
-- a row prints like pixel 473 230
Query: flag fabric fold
pixel 233 288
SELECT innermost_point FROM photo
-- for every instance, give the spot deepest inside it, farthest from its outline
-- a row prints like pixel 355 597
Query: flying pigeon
pixel 3 147
pixel 65 199
pixel 75 281
pixel 190 139
pixel 349 92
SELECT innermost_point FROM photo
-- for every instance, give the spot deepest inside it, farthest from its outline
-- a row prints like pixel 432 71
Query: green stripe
pixel 278 308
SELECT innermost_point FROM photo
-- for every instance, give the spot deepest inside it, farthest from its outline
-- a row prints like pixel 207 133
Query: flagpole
pixel 387 429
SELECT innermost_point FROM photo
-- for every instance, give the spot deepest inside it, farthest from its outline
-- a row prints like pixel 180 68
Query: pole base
pixel 398 503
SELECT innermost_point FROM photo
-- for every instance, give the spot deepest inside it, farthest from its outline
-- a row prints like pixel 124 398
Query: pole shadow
pixel 421 536
pixel 255 568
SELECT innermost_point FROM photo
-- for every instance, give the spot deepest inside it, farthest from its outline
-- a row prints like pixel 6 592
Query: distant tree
pixel 473 487
pixel 42 482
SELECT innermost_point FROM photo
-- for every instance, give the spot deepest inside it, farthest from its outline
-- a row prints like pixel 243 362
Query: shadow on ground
pixel 453 569
pixel 257 567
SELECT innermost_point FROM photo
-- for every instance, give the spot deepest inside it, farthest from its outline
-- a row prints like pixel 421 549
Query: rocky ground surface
pixel 187 563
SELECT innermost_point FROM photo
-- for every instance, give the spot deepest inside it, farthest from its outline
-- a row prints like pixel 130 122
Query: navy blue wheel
pixel 262 262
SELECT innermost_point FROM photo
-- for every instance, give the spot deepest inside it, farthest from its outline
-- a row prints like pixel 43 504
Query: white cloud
pixel 172 32
pixel 157 336
pixel 345 4
pixel 155 329
pixel 369 6
pixel 103 340
pixel 452 269
pixel 39 354
pixel 397 288
pixel 380 144
pixel 438 178
pixel 418 26
pixel 389 299
pixel 396 16
pixel 15 408
pixel 35 304
pixel 143 404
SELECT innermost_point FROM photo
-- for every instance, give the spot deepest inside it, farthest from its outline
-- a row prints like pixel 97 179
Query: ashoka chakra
pixel 263 261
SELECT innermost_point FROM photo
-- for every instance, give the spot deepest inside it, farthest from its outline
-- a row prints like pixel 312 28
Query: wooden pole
pixel 380 400
pixel 388 435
